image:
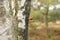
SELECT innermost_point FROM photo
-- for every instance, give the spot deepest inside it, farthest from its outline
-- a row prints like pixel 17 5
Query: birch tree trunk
pixel 5 21
pixel 14 19
pixel 24 14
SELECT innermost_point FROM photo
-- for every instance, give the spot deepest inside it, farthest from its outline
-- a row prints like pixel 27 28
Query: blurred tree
pixel 47 3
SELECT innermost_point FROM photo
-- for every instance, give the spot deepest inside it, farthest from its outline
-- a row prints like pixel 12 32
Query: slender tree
pixel 46 19
pixel 47 3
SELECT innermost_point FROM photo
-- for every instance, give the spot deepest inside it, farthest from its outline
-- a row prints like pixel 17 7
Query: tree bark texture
pixel 14 16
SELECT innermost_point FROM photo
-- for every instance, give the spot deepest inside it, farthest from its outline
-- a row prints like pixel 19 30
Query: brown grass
pixel 40 32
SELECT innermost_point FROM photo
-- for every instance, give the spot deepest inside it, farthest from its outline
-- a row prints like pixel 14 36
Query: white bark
pixel 8 22
pixel 5 21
